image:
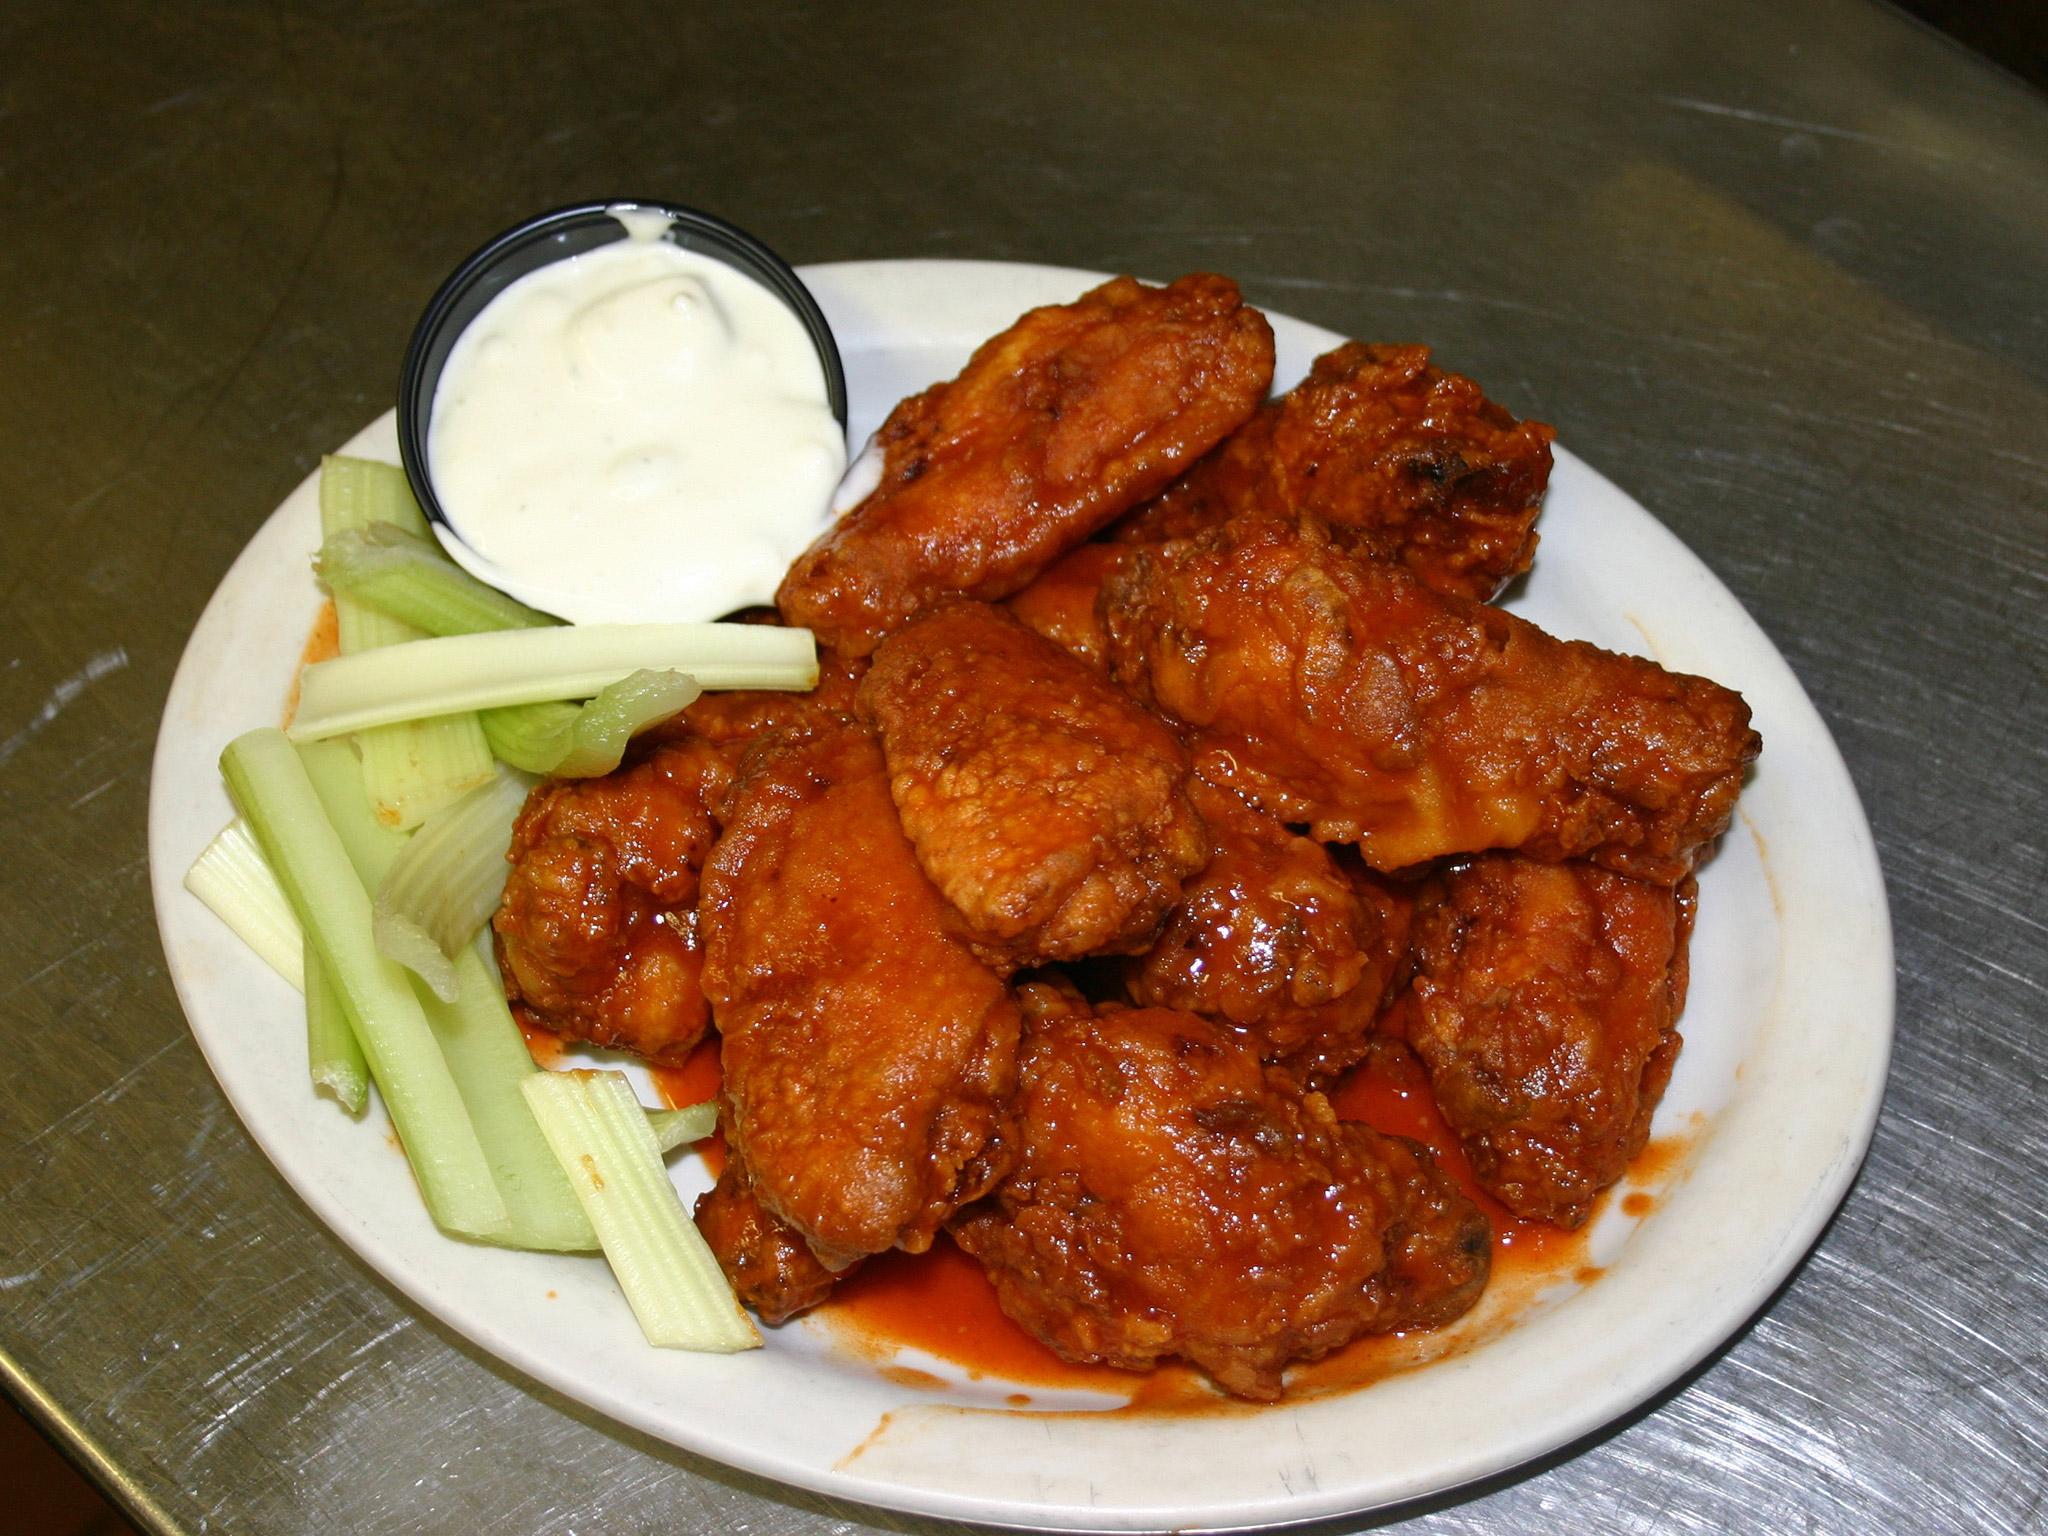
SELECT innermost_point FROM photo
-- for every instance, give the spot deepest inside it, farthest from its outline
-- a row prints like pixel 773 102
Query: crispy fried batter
pixel 1061 603
pixel 597 934
pixel 1174 1198
pixel 869 1058
pixel 1548 995
pixel 1278 938
pixel 1343 693
pixel 764 1260
pixel 1049 806
pixel 1403 461
pixel 1067 419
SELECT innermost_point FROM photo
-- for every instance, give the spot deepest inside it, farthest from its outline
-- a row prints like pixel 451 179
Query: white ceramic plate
pixel 1788 1033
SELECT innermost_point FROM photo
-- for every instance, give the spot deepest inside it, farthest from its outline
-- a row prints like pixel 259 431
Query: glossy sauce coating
pixel 869 1059
pixel 1055 426
pixel 1048 805
pixel 1547 996
pixel 597 934
pixel 1401 460
pixel 1343 693
pixel 1277 937
pixel 1161 1168
pixel 1061 603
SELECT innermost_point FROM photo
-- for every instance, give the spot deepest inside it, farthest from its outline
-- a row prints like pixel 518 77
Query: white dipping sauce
pixel 639 433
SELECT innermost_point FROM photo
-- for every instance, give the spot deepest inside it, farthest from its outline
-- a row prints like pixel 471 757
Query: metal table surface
pixel 1775 267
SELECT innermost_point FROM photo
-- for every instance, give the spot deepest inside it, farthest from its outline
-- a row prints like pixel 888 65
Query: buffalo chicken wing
pixel 1048 806
pixel 1172 1197
pixel 1059 424
pixel 1343 693
pixel 868 1057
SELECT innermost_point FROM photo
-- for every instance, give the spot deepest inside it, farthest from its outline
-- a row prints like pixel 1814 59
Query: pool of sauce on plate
pixel 323 643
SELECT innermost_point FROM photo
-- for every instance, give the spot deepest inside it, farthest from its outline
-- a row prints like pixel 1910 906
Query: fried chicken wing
pixel 869 1059
pixel 1048 805
pixel 1402 460
pixel 1343 693
pixel 1061 603
pixel 1067 419
pixel 597 934
pixel 1276 937
pixel 1172 1197
pixel 1548 995
pixel 737 716
pixel 764 1260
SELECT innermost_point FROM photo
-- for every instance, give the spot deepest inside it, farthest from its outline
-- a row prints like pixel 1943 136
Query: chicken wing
pixel 1061 603
pixel 1067 419
pixel 1172 1197
pixel 1278 938
pixel 1547 998
pixel 597 934
pixel 1403 462
pixel 1048 805
pixel 1343 693
pixel 765 1261
pixel 869 1059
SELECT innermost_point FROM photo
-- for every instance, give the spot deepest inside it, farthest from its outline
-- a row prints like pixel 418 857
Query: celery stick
pixel 525 666
pixel 406 575
pixel 572 742
pixel 531 736
pixel 233 879
pixel 447 882
pixel 677 1127
pixel 483 1047
pixel 333 1051
pixel 601 1137
pixel 413 768
pixel 608 722
pixel 271 785
pixel 490 1061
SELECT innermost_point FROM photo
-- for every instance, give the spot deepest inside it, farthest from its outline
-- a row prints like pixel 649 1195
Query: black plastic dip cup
pixel 555 236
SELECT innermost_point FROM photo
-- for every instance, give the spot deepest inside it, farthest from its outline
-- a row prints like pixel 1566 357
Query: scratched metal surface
pixel 1776 267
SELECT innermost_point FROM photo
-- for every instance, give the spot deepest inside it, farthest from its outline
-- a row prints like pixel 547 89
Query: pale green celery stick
pixel 483 1047
pixel 530 736
pixel 525 666
pixel 489 1058
pixel 231 877
pixel 572 742
pixel 448 880
pixel 677 1127
pixel 271 785
pixel 608 722
pixel 406 575
pixel 414 768
pixel 601 1137
pixel 335 1054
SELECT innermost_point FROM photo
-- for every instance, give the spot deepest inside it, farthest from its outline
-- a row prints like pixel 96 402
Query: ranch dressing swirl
pixel 638 433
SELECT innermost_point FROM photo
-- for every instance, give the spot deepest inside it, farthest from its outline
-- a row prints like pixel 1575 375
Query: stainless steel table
pixel 1776 267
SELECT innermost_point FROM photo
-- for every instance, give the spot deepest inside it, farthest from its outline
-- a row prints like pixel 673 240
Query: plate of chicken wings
pixel 1177 765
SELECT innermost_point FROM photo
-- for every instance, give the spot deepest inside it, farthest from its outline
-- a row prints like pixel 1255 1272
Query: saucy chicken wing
pixel 1061 603
pixel 1069 418
pixel 1173 1197
pixel 1048 805
pixel 1278 938
pixel 869 1059
pixel 765 1260
pixel 597 935
pixel 1547 996
pixel 1402 460
pixel 1343 693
